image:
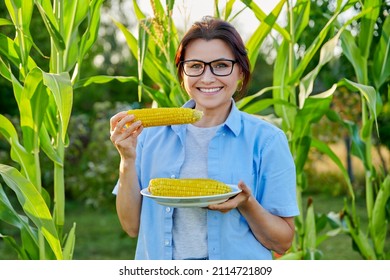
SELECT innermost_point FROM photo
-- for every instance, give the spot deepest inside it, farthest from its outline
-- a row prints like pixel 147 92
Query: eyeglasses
pixel 219 67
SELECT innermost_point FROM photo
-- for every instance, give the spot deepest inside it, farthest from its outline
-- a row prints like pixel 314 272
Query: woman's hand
pixel 124 133
pixel 234 202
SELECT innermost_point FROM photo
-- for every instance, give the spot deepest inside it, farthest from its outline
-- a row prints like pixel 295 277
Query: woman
pixel 226 144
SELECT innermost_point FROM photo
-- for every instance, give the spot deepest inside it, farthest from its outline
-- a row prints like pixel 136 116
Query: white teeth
pixel 209 89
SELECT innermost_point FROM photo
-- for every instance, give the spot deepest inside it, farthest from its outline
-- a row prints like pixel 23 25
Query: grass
pixel 99 235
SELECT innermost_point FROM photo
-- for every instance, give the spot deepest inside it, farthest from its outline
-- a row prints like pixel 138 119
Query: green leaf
pixel 33 205
pixel 306 84
pixel 302 146
pixel 352 52
pixel 70 243
pixel 381 65
pixel 324 148
pixel 49 19
pixel 33 98
pixel 367 26
pixel 12 243
pixel 260 105
pixel 312 50
pixel 270 19
pixel 90 36
pixel 379 222
pixel 4 21
pixel 102 80
pixel 301 16
pixel 309 239
pixel 61 88
pixel 18 152
pixel 47 147
pixel 370 94
pixel 138 12
pixel 255 41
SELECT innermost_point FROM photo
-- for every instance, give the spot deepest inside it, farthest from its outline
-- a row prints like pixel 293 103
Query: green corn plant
pixel 358 50
pixel 44 99
pixel 371 244
pixel 299 109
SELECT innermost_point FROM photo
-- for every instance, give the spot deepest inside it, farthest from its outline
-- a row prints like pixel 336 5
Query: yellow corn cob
pixel 186 187
pixel 166 116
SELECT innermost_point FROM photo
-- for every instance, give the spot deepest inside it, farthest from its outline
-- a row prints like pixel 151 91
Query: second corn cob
pixel 187 187
pixel 166 116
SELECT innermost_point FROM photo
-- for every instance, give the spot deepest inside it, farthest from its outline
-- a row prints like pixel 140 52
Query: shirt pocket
pixel 241 174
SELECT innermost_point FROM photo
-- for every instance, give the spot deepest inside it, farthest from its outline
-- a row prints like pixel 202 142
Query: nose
pixel 207 75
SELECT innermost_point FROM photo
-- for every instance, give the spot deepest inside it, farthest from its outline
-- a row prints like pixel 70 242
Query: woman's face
pixel 210 91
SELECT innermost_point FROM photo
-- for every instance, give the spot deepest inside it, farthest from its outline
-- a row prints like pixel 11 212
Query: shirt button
pixel 168 209
pixel 173 176
pixel 166 242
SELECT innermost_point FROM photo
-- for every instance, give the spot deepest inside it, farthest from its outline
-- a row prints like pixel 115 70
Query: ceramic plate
pixel 192 201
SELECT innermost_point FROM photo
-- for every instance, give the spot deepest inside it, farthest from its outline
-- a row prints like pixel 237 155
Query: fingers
pixel 117 118
pixel 234 202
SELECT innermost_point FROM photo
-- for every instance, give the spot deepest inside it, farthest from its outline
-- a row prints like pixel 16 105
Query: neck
pixel 213 117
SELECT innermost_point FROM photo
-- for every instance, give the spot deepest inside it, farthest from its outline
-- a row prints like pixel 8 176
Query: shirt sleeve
pixel 278 177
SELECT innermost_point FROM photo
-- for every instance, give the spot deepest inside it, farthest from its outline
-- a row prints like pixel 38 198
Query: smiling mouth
pixel 210 90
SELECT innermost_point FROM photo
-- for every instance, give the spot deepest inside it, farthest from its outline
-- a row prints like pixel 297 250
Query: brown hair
pixel 213 28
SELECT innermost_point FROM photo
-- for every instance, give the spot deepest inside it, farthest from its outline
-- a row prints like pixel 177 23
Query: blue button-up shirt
pixel 244 148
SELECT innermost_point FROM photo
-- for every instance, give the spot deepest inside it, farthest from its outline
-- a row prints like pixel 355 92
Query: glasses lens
pixel 193 68
pixel 222 67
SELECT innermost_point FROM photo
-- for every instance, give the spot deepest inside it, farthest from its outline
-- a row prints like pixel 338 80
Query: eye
pixel 221 64
pixel 194 65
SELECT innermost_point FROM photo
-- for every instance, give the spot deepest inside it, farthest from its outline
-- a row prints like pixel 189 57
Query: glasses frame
pixel 209 64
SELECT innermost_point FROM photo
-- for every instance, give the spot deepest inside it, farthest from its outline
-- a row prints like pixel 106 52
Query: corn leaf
pixel 143 39
pixel 21 17
pixel 352 52
pixel 70 243
pixel 90 36
pixel 367 25
pixel 47 147
pixel 18 152
pixel 379 221
pixel 324 148
pixel 4 21
pixel 33 205
pixel 301 16
pixel 381 65
pixel 312 50
pixel 369 93
pixel 281 89
pixel 49 19
pixel 255 41
pixel 34 97
pixel 12 243
pixel 309 239
pixel 138 12
pixel 61 88
pixel 102 80
pixel 256 107
pixel 270 19
pixel 306 84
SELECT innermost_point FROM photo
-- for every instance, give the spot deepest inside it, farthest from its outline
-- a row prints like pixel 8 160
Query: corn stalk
pixel 44 99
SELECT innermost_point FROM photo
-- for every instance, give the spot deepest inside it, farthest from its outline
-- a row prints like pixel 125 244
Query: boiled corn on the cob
pixel 166 116
pixel 187 187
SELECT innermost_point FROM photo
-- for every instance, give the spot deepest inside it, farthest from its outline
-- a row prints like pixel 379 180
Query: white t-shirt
pixel 190 224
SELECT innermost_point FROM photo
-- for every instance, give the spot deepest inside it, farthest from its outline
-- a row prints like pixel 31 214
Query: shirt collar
pixel 233 121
